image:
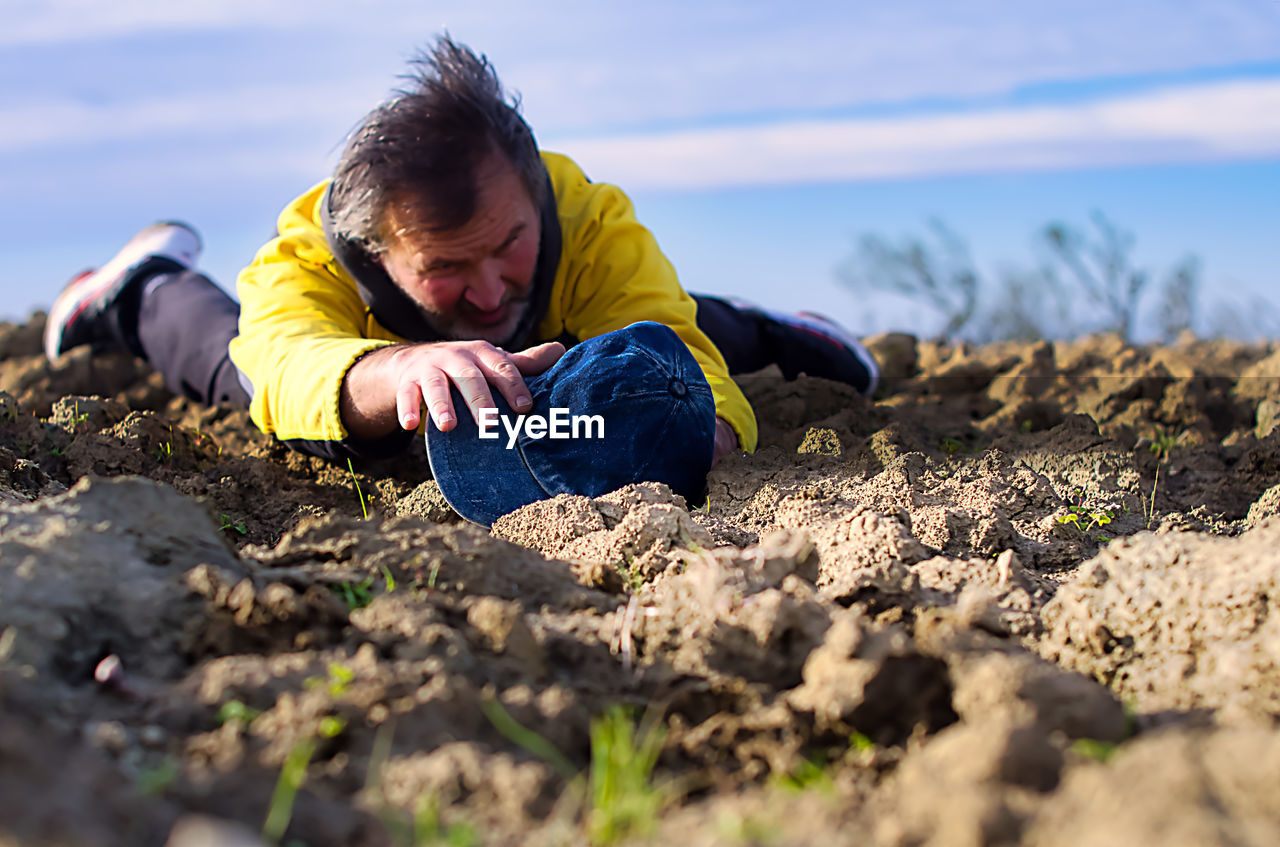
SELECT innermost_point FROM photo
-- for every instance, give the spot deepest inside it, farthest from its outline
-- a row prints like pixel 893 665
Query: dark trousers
pixel 185 323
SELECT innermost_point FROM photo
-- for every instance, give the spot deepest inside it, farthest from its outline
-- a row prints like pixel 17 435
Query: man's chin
pixel 501 334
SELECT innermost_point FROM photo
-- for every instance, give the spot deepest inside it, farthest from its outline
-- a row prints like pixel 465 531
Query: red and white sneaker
pixel 74 318
pixel 824 327
pixel 806 342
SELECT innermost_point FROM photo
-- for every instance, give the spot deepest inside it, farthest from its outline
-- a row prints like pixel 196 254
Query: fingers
pixel 504 374
pixel 409 406
pixel 473 368
pixel 537 359
pixel 431 390
pixel 434 392
pixel 473 386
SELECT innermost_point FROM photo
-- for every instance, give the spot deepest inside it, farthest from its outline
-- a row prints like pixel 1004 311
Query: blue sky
pixel 758 140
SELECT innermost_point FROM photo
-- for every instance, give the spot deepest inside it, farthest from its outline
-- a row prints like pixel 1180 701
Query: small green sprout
pixel 1026 426
pixel 234 711
pixel 951 446
pixel 422 827
pixel 292 775
pixel 1164 442
pixel 630 575
pixel 624 800
pixel 388 579
pixel 428 829
pixel 419 586
pixel 1097 750
pixel 809 774
pixel 155 781
pixel 356 595
pixel 228 522
pixel 861 742
pixel 1097 518
pixel 1162 445
pixel 363 509
pixel 58 451
pixel 202 436
pixel 337 680
pixel 517 733
pixel 745 829
pixel 163 452
pixel 331 726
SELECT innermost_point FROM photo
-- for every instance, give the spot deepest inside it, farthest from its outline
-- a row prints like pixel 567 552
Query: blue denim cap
pixel 655 421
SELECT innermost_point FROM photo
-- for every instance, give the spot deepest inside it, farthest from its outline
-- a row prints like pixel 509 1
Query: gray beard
pixel 517 339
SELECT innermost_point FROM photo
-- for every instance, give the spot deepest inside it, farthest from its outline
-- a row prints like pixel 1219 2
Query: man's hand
pixel 726 441
pixel 390 386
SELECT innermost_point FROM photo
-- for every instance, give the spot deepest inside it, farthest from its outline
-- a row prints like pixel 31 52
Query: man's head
pixel 443 185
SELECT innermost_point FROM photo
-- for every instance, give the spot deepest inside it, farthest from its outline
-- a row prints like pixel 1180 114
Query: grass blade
pixel 363 510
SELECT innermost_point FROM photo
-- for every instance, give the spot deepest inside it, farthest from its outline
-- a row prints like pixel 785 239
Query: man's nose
pixel 486 288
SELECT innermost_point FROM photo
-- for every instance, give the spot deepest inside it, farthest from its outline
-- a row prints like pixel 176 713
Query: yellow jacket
pixel 303 322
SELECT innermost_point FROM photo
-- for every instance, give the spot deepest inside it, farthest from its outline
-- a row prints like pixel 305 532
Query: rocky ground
pixel 1025 596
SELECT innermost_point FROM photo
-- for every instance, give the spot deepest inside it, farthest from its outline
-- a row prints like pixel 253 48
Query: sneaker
pixel 829 330
pixel 75 317
pixel 794 351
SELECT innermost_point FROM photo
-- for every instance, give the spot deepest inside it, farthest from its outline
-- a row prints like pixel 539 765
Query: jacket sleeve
pixel 614 274
pixel 302 326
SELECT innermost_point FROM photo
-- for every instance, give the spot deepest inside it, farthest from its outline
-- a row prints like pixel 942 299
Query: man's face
pixel 472 282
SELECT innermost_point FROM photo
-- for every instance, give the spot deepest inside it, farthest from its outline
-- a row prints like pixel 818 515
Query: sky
pixel 760 141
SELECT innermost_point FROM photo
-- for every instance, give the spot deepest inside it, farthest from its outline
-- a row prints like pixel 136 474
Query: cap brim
pixel 480 477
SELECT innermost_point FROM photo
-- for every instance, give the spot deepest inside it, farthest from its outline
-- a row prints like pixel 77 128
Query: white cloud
pixel 689 63
pixel 266 110
pixel 1211 122
pixel 279 124
pixel 59 21
pixel 52 22
pixel 590 66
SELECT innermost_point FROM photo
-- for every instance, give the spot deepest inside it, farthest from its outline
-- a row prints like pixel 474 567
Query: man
pixel 447 253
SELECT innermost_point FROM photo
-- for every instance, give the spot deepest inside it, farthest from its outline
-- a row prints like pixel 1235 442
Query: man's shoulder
pixel 304 210
pixel 561 167
pixel 581 203
pixel 298 244
pixel 568 179
pixel 299 231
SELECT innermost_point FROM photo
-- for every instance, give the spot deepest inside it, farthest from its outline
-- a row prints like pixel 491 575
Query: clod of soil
pixel 1022 597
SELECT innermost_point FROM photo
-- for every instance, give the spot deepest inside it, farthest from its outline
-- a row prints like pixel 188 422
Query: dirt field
pixel 1024 597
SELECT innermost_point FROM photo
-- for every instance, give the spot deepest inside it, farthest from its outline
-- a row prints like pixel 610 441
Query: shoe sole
pixel 93 285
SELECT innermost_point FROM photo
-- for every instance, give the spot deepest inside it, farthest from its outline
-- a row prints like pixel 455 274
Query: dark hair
pixel 423 146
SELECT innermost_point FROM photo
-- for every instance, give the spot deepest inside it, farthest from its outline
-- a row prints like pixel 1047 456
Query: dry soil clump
pixel 1023 596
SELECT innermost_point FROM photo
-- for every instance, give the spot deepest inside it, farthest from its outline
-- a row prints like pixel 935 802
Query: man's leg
pixel 149 301
pixel 751 338
pixel 185 323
